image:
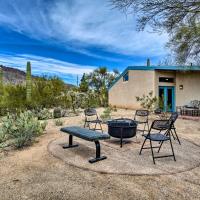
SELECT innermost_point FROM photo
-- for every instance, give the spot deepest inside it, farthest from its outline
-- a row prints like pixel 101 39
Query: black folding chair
pixel 172 119
pixel 91 117
pixel 142 117
pixel 162 134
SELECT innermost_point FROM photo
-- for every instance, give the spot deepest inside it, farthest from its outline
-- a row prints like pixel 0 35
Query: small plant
pixel 57 113
pixel 113 108
pixel 148 102
pixel 20 130
pixel 106 114
pixel 43 114
pixel 58 122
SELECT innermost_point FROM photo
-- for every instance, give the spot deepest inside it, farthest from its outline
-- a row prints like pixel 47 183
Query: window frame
pixel 126 77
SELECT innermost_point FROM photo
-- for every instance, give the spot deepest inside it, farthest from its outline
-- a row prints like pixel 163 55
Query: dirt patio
pixel 34 173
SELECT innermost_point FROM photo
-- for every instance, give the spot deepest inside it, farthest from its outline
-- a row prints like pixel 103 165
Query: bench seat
pixel 85 134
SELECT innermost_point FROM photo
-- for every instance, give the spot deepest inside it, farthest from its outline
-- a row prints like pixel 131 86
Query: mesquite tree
pixel 180 18
pixel 99 81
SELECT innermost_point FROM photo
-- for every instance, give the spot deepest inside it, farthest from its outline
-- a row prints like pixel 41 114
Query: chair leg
pixel 144 128
pixel 161 143
pixel 121 139
pixel 85 124
pixel 95 126
pixel 148 126
pixel 152 152
pixel 173 135
pixel 101 127
pixel 142 146
pixel 172 148
pixel 177 136
pixel 89 125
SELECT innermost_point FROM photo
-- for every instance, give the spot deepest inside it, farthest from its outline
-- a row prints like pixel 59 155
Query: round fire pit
pixel 122 128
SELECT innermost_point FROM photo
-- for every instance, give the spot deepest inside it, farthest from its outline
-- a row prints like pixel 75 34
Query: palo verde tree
pixel 99 81
pixel 180 18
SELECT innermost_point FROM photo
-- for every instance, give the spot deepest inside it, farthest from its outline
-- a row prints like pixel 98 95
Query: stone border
pixel 129 174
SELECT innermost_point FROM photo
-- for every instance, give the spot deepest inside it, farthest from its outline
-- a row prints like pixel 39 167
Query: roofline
pixel 154 68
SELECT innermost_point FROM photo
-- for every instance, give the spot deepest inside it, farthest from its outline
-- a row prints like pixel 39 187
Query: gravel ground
pixel 33 173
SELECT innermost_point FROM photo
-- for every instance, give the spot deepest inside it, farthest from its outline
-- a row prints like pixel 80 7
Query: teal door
pixel 167 98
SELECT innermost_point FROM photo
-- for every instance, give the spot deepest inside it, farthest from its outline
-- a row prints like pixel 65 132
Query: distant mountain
pixel 16 76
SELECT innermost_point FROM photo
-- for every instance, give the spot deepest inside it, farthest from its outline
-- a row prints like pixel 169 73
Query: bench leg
pixel 70 145
pixel 98 154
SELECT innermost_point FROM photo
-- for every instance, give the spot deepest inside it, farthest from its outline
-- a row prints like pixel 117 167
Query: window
pixel 166 80
pixel 125 77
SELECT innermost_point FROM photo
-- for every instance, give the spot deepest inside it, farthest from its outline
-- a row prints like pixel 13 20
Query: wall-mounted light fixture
pixel 180 87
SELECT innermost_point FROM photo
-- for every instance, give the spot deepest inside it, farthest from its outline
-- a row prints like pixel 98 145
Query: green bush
pixel 21 130
pixel 43 114
pixel 58 122
pixel 57 113
pixel 106 114
pixel 148 102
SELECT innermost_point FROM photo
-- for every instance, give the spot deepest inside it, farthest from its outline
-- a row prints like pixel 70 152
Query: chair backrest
pixel 195 103
pixel 90 112
pixel 161 125
pixel 141 115
pixel 173 117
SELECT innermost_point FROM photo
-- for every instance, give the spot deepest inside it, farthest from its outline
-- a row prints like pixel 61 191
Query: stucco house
pixel 175 85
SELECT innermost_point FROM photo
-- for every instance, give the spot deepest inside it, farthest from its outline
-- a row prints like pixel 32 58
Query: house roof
pixel 152 68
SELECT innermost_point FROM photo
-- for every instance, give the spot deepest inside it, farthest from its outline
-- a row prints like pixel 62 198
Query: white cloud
pixel 48 66
pixel 82 23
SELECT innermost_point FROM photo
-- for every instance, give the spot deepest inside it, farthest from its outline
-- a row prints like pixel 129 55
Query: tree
pixel 97 84
pixel 84 86
pixel 180 18
pixel 99 81
pixel 186 42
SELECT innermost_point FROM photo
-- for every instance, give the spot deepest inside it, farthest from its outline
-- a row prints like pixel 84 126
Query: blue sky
pixel 69 37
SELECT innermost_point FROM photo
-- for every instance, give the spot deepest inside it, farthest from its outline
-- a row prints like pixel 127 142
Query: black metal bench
pixel 85 134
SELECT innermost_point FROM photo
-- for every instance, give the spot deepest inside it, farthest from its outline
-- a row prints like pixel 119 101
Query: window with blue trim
pixel 125 77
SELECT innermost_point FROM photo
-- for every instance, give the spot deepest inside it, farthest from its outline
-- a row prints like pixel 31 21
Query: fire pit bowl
pixel 122 128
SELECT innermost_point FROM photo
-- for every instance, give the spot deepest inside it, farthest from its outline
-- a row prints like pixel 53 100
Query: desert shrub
pixel 57 113
pixel 148 102
pixel 46 93
pixel 106 114
pixel 42 114
pixel 58 122
pixel 47 90
pixel 22 129
pixel 13 98
pixel 113 108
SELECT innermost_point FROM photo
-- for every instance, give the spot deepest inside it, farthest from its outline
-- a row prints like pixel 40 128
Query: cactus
pixel 28 82
pixel 57 113
pixel 21 130
pixel 1 81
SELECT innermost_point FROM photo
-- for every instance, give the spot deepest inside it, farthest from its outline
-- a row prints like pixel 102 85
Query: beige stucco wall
pixel 123 94
pixel 191 87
